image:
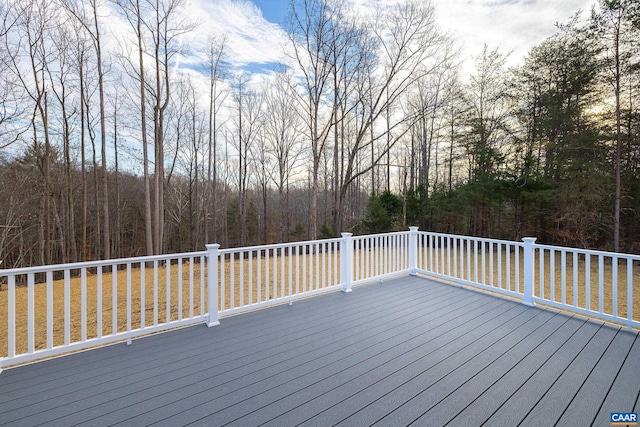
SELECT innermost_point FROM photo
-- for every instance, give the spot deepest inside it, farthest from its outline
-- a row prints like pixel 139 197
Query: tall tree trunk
pixel 158 156
pixel 103 136
pixel 83 166
pixel 618 185
pixel 388 147
pixel 148 221
pixel 117 244
pixel 70 223
pixel 216 54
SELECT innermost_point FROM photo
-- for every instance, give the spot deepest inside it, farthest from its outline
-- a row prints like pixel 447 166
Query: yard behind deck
pixel 407 350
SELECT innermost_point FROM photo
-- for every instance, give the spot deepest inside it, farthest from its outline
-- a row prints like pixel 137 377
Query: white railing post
pixel 413 251
pixel 346 261
pixel 528 271
pixel 212 318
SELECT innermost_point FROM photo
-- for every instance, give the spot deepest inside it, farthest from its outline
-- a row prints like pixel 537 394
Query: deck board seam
pixel 247 386
pixel 470 296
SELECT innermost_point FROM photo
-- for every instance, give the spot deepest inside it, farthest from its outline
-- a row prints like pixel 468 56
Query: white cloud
pixel 250 38
pixel 511 25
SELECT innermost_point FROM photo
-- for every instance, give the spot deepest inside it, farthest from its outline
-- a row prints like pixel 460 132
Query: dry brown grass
pixel 241 281
pixel 274 276
pixel 577 286
pixel 138 288
pixel 259 283
pixel 510 281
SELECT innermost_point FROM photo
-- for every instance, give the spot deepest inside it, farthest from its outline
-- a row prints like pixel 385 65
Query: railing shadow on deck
pixel 51 310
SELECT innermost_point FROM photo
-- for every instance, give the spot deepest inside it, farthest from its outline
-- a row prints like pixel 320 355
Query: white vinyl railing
pixel 491 264
pixel 50 310
pixel 55 309
pixel 598 284
pixel 595 283
pixel 376 256
pixel 258 276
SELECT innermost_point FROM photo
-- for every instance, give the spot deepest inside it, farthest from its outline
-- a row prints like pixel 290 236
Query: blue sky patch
pixel 273 10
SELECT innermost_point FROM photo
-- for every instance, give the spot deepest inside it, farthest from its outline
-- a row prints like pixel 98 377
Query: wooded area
pixel 111 148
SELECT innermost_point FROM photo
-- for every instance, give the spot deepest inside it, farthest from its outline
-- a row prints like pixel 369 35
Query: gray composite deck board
pixel 335 389
pixel 406 351
pixel 476 399
pixel 431 383
pixel 388 353
pixel 244 378
pixel 331 356
pixel 188 342
pixel 625 389
pixel 452 347
pixel 507 401
pixel 560 395
pixel 585 404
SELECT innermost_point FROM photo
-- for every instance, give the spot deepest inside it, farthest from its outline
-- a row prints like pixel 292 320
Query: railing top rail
pixel 100 263
pixel 366 236
pixel 588 251
pixel 484 239
pixel 277 245
pixel 305 242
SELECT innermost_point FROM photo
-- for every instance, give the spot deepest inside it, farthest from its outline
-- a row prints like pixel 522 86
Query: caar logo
pixel 624 418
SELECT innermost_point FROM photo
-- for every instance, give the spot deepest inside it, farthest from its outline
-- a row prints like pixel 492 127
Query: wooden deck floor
pixel 408 351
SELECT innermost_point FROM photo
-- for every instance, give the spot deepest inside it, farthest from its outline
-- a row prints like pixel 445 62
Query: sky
pixel 257 39
pixel 513 26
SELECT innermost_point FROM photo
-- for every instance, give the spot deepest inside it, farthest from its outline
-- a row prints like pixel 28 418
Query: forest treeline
pixel 126 129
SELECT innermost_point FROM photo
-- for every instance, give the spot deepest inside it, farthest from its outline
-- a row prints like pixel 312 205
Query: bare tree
pixel 310 32
pixel 117 243
pixel 185 137
pixel 132 11
pixel 165 25
pixel 62 87
pixel 188 131
pixel 217 97
pixel 409 45
pixel 158 27
pixel 80 54
pixel 12 98
pixel 282 131
pixel 29 57
pixel 90 20
pixel 454 112
pixel 248 105
pixel 264 174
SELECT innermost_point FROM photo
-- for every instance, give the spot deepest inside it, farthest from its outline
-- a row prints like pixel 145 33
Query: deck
pixel 405 351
